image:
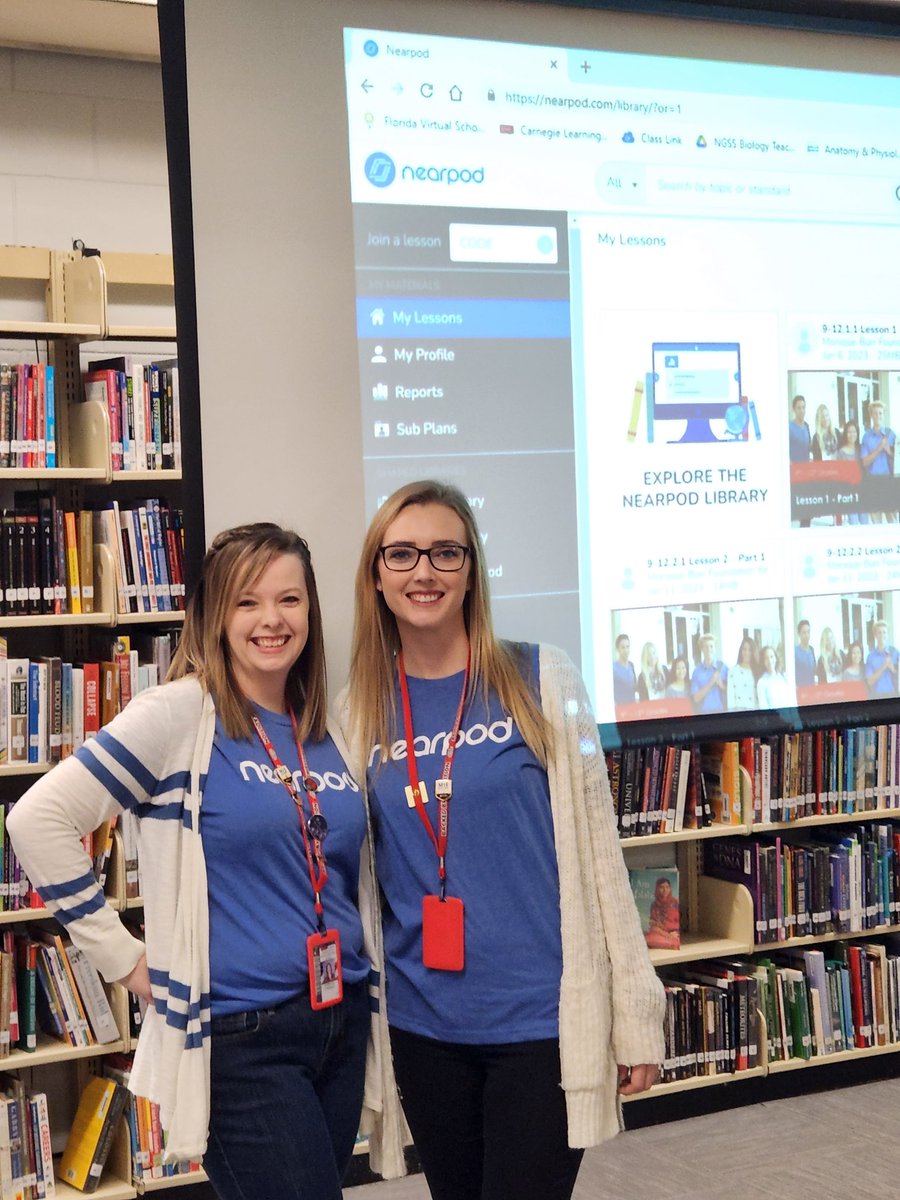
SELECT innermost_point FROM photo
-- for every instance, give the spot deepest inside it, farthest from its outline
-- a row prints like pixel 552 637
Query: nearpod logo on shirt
pixel 381 172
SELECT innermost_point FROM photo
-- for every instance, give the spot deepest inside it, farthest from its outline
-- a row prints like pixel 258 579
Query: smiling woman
pixel 244 950
pixel 518 980
pixel 267 631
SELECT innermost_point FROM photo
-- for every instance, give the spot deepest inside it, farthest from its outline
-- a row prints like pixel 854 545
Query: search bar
pixel 503 243
pixel 735 189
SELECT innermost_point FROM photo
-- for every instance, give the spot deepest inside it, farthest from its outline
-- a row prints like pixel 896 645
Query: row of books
pixel 26 1152
pixel 821 772
pixel 146 1135
pixel 658 789
pixel 839 881
pixel 47 983
pixel 27 415
pixel 26 1157
pixel 755 780
pixel 147 548
pixel 817 1006
pixel 47 558
pixel 16 891
pixel 814 1006
pixel 93 1132
pixel 712 1021
pixel 144 410
pixel 48 707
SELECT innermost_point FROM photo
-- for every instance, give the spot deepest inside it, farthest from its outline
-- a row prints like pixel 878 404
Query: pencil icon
pixel 754 419
pixel 636 409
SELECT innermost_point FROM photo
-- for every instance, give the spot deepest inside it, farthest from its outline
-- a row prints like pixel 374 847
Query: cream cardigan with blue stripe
pixel 153 759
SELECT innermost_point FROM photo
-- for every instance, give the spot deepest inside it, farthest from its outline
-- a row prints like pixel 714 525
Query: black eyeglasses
pixel 402 557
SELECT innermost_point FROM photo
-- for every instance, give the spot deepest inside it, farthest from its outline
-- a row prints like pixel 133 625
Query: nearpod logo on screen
pixel 381 171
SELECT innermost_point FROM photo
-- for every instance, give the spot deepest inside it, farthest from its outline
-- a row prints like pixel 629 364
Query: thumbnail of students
pixel 799 440
pixel 854 672
pixel 878 445
pixel 772 688
pixel 741 690
pixel 709 681
pixel 651 683
pixel 624 678
pixel 849 448
pixel 824 443
pixel 830 667
pixel 881 664
pixel 679 686
pixel 804 657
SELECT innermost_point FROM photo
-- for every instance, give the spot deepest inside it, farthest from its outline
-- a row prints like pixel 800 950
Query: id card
pixel 443 942
pixel 326 983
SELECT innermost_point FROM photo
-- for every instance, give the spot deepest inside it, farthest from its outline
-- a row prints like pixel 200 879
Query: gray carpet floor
pixel 836 1145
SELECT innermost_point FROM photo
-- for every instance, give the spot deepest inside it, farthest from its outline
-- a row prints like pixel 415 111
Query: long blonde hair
pixel 376 640
pixel 234 561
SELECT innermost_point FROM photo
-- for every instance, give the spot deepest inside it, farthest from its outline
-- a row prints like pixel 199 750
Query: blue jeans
pixel 286 1094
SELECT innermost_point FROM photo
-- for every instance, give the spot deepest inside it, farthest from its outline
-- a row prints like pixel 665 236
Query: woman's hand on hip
pixel 138 980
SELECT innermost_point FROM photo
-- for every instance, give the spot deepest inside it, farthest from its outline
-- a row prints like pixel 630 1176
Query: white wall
pixel 82 153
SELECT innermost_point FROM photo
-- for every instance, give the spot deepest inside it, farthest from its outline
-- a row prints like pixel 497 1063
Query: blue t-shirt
pixel 881 463
pixel 624 683
pixel 260 895
pixel 804 666
pixel 886 683
pixel 501 862
pixel 799 442
pixel 714 700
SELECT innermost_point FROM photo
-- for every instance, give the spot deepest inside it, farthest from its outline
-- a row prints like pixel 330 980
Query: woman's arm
pixel 638 998
pixel 117 769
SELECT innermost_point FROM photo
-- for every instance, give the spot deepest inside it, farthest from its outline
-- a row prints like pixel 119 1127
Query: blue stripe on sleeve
pixel 145 779
pixel 119 791
pixel 59 891
pixel 66 916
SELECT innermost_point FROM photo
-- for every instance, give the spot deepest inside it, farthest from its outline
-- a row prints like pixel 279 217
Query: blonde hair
pixel 376 640
pixel 234 561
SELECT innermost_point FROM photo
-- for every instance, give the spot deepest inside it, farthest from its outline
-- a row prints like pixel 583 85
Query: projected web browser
pixel 637 308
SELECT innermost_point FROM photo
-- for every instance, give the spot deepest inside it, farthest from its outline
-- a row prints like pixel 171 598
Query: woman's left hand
pixel 633 1080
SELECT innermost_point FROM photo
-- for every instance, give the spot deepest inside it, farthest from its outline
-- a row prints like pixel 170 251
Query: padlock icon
pixel 491 95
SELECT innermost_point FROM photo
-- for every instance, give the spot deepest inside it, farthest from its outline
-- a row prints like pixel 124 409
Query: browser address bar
pixel 734 189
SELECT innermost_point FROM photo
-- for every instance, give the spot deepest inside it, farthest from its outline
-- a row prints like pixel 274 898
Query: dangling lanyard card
pixel 443 936
pixel 326 981
pixel 323 949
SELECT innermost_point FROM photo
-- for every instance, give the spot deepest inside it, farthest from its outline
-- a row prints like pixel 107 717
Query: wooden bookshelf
pixel 68 300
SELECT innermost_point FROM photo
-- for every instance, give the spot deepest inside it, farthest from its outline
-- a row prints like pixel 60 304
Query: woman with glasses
pixel 256 962
pixel 520 994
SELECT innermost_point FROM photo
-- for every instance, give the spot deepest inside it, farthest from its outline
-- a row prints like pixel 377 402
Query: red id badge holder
pixel 443 942
pixel 326 981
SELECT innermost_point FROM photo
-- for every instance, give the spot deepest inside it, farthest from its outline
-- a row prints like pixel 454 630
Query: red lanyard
pixel 442 786
pixel 313 828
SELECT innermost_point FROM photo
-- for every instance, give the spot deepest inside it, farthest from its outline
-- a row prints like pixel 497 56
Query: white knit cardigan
pixel 153 759
pixel 611 1004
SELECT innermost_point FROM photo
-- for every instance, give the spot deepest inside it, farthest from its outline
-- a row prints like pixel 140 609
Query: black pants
pixel 488 1122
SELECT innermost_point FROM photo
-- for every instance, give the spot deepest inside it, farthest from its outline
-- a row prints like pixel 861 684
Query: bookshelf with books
pixel 91 590
pixel 787 869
